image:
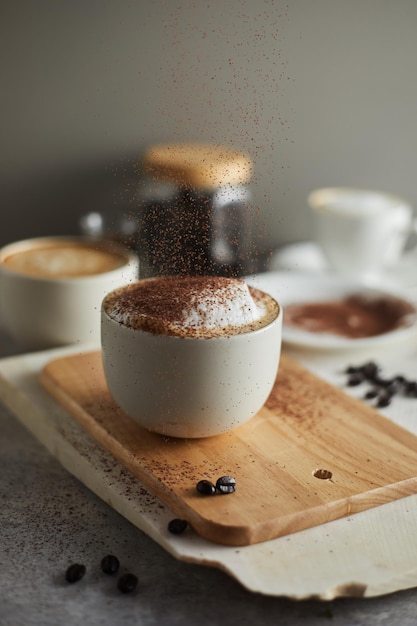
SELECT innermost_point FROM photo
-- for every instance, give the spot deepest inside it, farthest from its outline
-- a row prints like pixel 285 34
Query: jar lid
pixel 203 166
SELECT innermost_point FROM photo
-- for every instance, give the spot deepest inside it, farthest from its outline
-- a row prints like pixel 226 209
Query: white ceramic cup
pixel 190 387
pixel 45 311
pixel 360 231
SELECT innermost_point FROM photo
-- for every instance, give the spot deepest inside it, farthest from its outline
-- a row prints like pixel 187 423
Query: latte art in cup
pixel 63 260
pixel 51 288
pixel 186 306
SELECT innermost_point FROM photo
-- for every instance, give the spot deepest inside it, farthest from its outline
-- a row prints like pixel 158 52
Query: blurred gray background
pixel 318 92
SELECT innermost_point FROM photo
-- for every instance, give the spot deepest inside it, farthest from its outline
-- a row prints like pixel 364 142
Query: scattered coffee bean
pixel 127 583
pixel 383 389
pixel 411 389
pixel 75 572
pixel 177 526
pixel 371 394
pixel 110 564
pixel 382 382
pixel 206 487
pixel 226 484
pixel 355 379
pixel 370 370
pixel 393 386
pixel 384 400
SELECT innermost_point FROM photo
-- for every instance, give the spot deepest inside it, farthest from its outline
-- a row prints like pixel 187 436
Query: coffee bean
pixel 382 388
pixel 381 382
pixel 384 400
pixel 226 484
pixel 75 572
pixel 355 379
pixel 370 370
pixel 110 564
pixel 206 487
pixel 177 526
pixel 393 386
pixel 127 583
pixel 411 389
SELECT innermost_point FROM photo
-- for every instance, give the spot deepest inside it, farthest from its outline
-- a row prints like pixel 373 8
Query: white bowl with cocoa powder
pixel 190 357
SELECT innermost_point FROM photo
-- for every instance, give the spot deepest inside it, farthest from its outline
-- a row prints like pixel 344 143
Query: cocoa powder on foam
pixel 160 305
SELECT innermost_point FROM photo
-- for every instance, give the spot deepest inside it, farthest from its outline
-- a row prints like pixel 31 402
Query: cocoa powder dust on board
pixel 354 317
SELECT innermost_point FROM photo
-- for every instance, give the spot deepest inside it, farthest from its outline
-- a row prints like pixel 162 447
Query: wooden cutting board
pixel 311 455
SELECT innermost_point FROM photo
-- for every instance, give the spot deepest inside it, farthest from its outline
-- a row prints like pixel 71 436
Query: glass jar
pixel 195 212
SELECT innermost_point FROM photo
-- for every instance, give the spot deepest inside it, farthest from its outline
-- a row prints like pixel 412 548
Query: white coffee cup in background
pixel 187 379
pixel 51 288
pixel 361 231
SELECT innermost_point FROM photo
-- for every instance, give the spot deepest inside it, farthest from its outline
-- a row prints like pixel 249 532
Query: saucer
pixel 291 287
pixel 306 256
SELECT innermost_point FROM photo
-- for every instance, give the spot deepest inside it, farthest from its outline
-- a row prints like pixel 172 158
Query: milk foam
pixel 191 306
pixel 230 304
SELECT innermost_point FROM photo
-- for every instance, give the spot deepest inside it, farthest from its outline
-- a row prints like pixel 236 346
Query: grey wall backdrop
pixel 318 92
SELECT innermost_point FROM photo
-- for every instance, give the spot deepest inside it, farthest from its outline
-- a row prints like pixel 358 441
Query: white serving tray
pixel 367 554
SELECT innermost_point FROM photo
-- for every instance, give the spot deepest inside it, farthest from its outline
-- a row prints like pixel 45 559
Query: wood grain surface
pixel 306 425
